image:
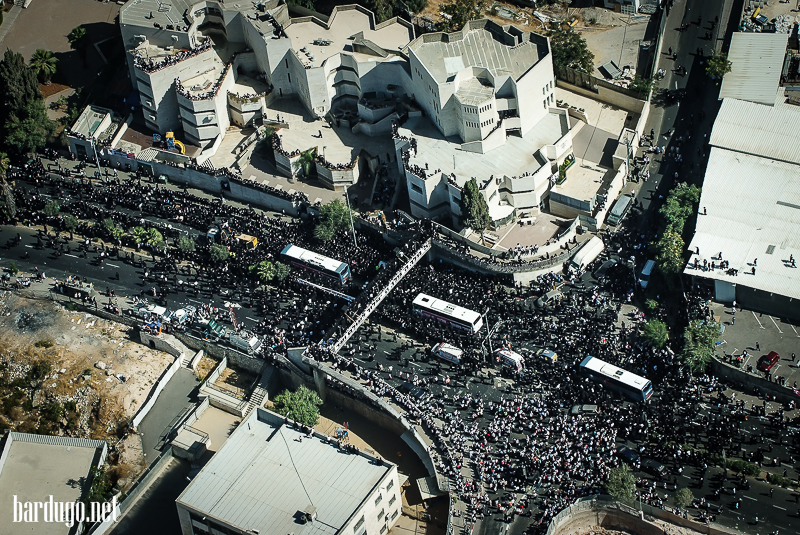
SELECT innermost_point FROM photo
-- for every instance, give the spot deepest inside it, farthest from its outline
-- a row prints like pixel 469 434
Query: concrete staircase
pixel 261 390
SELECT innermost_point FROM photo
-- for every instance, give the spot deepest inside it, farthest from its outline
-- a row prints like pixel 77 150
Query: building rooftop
pixel 268 471
pixel 151 12
pixel 34 467
pixel 318 41
pixel 444 55
pixel 89 121
pixel 756 66
pixel 758 130
pixel 513 158
pixel 752 212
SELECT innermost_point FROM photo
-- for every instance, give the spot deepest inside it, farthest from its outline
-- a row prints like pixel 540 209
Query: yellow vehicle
pixel 251 240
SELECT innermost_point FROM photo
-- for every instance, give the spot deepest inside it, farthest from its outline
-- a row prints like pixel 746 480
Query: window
pixel 380 515
pixel 378 499
pixel 390 485
pixel 287 62
pixel 358 525
pixel 289 75
pixel 416 189
pixel 544 104
pixel 394 515
pixel 394 497
pixel 383 528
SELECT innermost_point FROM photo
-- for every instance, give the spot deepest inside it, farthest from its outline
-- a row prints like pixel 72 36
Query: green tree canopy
pixel 264 271
pixel 333 216
pixel 302 405
pixel 642 85
pixel 70 223
pixel 461 12
pixel 218 253
pixel 699 340
pixel 718 65
pixel 621 484
pixel 9 205
pixel 29 131
pixel 139 235
pixel 670 249
pixel 281 271
pixel 474 210
pixel 305 162
pixel 679 206
pixel 569 49
pixel 655 333
pixel 51 209
pixel 154 238
pixel 18 86
pixel 185 244
pixel 684 498
pixel 43 63
pixel 77 38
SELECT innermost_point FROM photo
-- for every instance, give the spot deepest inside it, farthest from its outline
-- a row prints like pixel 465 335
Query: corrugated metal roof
pixel 756 65
pixel 753 205
pixel 58 441
pixel 267 471
pixel 757 129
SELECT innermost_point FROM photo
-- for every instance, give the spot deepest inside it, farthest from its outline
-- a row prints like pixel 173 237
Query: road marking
pixel 195 301
pixel 749 498
pixel 72 255
pixel 29 246
pixel 776 325
pixel 778 507
pixel 795 330
pixel 776 368
pixel 112 265
pixel 756 317
pixel 249 318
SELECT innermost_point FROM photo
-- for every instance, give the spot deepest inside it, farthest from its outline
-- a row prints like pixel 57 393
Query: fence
pixel 135 491
pixel 153 395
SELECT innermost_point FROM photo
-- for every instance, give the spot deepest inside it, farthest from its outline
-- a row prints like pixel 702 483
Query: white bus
pixel 448 313
pixel 305 259
pixel 626 383
pixel 448 352
pixel 510 359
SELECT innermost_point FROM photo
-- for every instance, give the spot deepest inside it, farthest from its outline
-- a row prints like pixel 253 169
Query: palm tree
pixel 155 239
pixel 139 235
pixel 305 162
pixel 77 38
pixel 43 62
pixel 8 193
pixel 264 270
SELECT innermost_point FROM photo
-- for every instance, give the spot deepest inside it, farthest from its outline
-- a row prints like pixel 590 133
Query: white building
pixel 488 93
pixel 270 477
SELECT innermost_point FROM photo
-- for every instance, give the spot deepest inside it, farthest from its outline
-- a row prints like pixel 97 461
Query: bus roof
pixel 510 354
pixel 298 253
pixel 609 370
pixel 454 311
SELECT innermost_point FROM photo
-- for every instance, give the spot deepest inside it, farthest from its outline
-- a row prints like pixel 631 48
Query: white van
pixel 587 254
pixel 509 359
pixel 647 270
pixel 448 352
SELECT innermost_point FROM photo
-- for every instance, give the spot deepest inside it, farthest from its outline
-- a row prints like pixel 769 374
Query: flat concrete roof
pixel 344 24
pixel 268 471
pixel 34 467
pixel 513 158
pixel 584 180
pixel 148 12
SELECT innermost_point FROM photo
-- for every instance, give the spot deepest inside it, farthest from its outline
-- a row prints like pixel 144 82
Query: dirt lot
pixel 73 374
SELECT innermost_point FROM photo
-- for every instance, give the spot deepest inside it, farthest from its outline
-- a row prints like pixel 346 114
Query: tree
pixel 333 216
pixel 718 65
pixel 302 405
pixel 185 244
pixel 70 224
pixel 154 238
pixel 684 498
pixel 43 63
pixel 218 253
pixel 461 12
pixel 679 206
pixel 305 162
pixel 474 210
pixel 641 85
pixel 281 271
pixel 51 209
pixel 139 236
pixel 77 38
pixel 655 332
pixel 264 270
pixel 18 86
pixel 699 340
pixel 621 484
pixel 29 131
pixel 569 49
pixel 8 192
pixel 670 249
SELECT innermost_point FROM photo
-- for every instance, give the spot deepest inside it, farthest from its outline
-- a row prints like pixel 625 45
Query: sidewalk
pixel 8 22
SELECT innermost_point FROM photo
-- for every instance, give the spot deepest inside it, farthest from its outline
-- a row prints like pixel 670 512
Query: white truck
pixel 586 254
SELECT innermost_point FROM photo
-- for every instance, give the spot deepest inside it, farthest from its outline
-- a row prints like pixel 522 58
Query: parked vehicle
pixel 768 361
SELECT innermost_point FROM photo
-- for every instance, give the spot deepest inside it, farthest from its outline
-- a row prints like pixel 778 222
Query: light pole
pixel 94 149
pixel 350 211
pixel 489 332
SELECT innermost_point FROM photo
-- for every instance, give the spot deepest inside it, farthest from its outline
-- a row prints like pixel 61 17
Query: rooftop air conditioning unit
pixel 310 513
